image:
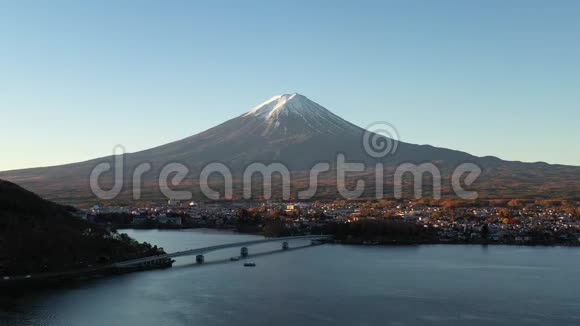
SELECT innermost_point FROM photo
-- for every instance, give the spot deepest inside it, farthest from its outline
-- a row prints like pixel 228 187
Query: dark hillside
pixel 39 236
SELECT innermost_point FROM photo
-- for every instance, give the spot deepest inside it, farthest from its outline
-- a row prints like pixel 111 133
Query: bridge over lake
pixel 156 261
pixel 201 251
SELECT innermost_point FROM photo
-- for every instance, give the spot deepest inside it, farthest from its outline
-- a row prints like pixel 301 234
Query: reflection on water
pixel 323 285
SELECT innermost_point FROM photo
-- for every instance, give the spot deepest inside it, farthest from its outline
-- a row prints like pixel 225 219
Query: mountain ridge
pixel 291 129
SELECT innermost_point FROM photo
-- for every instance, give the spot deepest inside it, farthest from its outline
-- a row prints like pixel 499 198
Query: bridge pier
pixel 244 252
pixel 199 259
pixel 285 245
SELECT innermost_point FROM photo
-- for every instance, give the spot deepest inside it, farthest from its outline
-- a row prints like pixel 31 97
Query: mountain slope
pixel 298 132
pixel 288 128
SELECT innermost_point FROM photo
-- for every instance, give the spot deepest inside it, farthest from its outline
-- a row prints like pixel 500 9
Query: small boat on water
pixel 250 264
pixel 235 258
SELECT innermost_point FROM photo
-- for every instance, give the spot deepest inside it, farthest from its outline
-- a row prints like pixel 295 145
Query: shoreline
pixel 374 242
pixel 82 275
pixel 57 278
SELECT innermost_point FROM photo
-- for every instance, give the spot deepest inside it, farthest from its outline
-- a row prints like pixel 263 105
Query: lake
pixel 320 285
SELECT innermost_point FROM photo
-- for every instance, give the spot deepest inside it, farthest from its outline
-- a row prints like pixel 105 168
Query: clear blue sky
pixel 487 77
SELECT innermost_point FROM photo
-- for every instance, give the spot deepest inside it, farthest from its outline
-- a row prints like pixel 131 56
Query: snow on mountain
pixel 284 104
pixel 297 112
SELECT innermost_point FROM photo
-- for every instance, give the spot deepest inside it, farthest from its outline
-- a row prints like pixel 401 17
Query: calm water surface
pixel 323 285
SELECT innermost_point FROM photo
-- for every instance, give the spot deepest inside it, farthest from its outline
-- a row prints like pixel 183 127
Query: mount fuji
pixel 293 130
pixel 290 129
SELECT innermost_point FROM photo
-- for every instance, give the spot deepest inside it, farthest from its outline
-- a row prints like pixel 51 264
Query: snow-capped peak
pixel 285 104
pixel 294 113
